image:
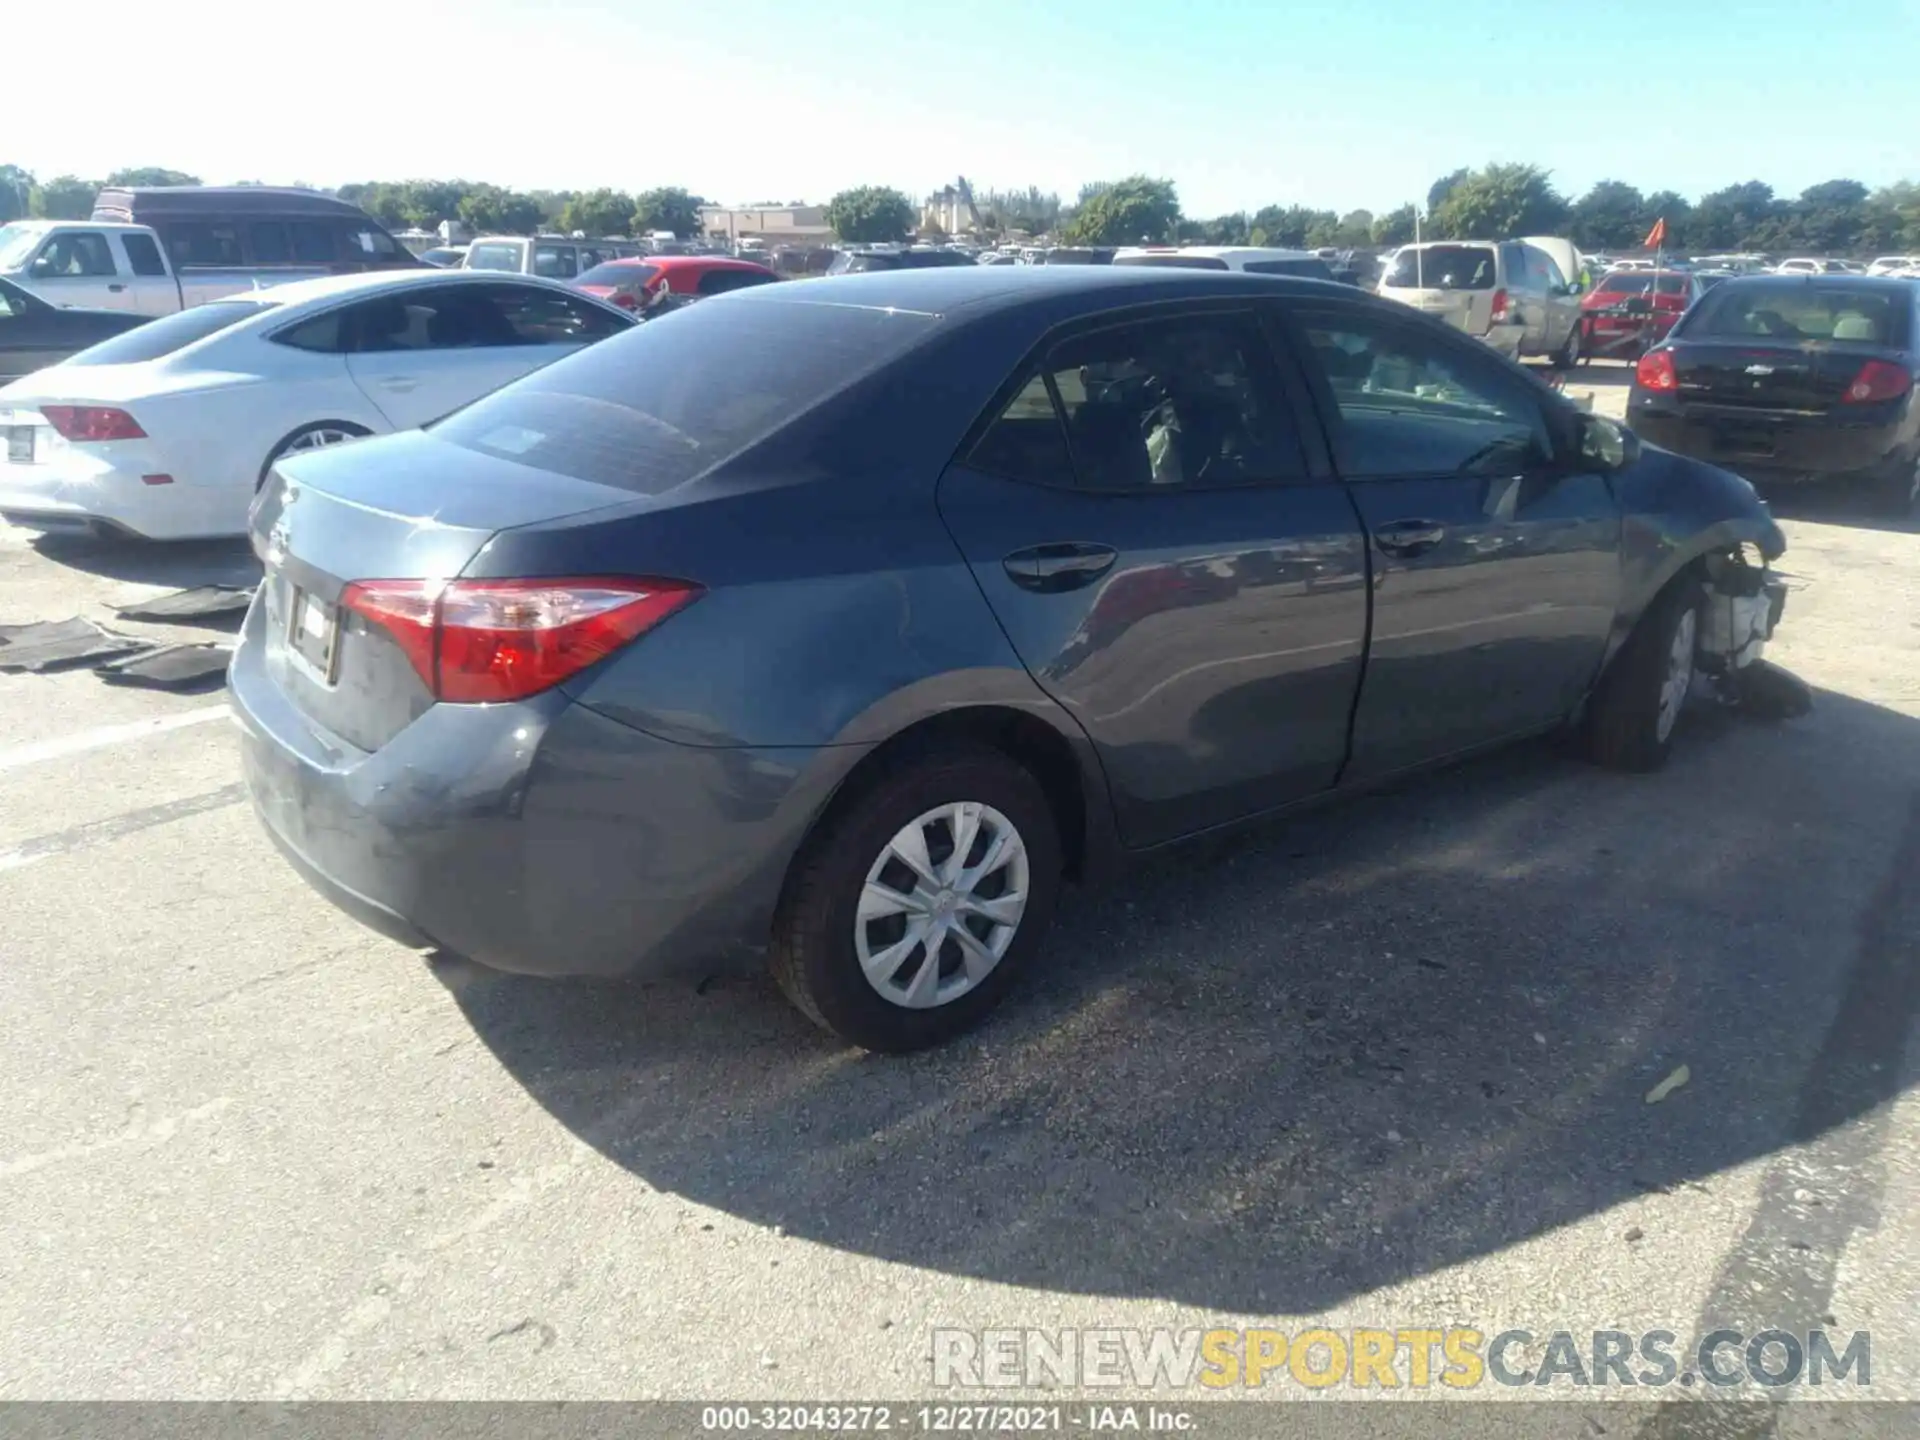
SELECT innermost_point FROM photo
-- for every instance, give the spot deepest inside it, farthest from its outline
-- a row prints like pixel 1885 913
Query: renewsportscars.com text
pixel 1457 1357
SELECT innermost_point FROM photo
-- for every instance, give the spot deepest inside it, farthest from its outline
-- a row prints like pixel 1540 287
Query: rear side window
pixel 142 254
pixel 312 242
pixel 324 334
pixel 1027 441
pixel 270 243
pixel 1443 267
pixel 555 262
pixel 494 256
pixel 159 338
pixel 204 243
pixel 669 400
pixel 719 282
pixel 1168 403
pixel 1801 311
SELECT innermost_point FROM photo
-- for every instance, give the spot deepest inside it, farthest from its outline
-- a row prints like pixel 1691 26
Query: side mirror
pixel 1607 443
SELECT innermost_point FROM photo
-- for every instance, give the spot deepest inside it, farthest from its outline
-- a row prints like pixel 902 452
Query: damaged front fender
pixel 1677 511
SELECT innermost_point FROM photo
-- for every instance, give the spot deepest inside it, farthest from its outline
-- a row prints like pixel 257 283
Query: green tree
pixel 1735 218
pixel 489 210
pixel 1126 212
pixel 1500 202
pixel 1356 229
pixel 1832 215
pixel 151 175
pixel 1234 229
pixel 1670 206
pixel 667 208
pixel 16 193
pixel 1289 225
pixel 598 212
pixel 1610 216
pixel 1393 228
pixel 65 197
pixel 870 213
pixel 1438 192
pixel 425 203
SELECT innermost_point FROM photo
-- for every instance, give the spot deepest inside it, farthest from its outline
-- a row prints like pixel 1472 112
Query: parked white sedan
pixel 166 432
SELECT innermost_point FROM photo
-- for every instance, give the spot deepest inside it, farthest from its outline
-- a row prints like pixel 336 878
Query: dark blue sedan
pixel 842 621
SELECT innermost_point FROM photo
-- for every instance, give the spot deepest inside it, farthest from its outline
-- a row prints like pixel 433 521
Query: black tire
pixel 1895 494
pixel 1573 349
pixel 359 432
pixel 813 955
pixel 1622 726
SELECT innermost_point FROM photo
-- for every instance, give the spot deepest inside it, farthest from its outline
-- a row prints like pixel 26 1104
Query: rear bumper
pixel 74 492
pixel 539 837
pixel 1810 446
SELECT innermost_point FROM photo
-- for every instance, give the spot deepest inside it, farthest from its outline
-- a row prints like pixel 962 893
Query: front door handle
pixel 1407 538
pixel 399 384
pixel 115 289
pixel 1052 568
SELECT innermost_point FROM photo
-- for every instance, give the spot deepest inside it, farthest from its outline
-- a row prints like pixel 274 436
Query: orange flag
pixel 1657 236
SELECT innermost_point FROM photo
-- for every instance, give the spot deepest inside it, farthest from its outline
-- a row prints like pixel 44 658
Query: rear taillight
pixel 1655 371
pixel 1501 304
pixel 473 641
pixel 1878 380
pixel 89 423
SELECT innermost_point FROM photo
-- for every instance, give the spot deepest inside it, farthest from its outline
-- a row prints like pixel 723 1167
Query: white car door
pixel 424 353
pixel 76 267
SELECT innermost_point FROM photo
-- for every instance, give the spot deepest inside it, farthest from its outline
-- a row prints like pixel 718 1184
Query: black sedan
pixel 842 622
pixel 1791 378
pixel 34 334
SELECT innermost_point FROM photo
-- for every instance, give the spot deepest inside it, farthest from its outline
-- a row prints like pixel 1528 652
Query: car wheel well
pixel 280 445
pixel 1029 742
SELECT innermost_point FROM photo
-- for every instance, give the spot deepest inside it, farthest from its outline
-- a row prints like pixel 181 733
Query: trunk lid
pixel 403 507
pixel 1808 378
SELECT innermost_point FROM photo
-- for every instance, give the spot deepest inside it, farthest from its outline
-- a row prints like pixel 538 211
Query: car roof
pixel 336 287
pixel 687 262
pixel 1847 280
pixel 977 289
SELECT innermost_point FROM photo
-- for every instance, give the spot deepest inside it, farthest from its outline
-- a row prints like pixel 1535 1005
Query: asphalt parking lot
pixel 1384 1065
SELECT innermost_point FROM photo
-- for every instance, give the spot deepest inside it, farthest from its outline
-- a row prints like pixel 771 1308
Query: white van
pixel 553 257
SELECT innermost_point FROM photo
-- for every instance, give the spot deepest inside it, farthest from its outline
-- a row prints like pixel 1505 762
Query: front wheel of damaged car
pixel 912 911
pixel 1636 708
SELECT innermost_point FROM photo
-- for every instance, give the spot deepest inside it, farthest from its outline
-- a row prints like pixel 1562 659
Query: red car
pixel 1672 291
pixel 631 283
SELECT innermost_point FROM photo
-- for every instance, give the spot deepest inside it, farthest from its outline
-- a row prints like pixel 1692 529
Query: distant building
pixel 951 209
pixel 772 223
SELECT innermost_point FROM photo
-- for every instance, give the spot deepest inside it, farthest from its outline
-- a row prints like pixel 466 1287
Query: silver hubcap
pixel 320 440
pixel 941 905
pixel 1679 677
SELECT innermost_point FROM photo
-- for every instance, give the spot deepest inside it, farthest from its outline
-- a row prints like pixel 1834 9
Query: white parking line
pixel 102 736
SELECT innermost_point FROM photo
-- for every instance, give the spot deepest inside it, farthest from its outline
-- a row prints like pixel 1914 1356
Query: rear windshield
pixel 626 273
pixel 1639 282
pixel 1443 267
pixel 671 399
pixel 494 257
pixel 1184 262
pixel 1313 269
pixel 1801 312
pixel 159 338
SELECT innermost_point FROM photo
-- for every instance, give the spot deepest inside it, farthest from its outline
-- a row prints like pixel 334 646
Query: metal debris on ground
pixel 168 667
pixel 190 604
pixel 49 644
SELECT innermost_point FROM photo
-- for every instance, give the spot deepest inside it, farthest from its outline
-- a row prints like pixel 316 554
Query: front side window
pixel 1408 403
pixel 74 254
pixel 555 262
pixel 536 316
pixel 454 318
pixel 495 255
pixel 312 241
pixel 1168 403
pixel 270 244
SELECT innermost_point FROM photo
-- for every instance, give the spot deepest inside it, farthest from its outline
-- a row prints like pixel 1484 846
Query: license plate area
pixel 313 635
pixel 19 444
pixel 1752 441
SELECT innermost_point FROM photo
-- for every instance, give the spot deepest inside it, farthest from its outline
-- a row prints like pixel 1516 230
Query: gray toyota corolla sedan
pixel 841 621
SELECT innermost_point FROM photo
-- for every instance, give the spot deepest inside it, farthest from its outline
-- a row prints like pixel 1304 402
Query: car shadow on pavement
pixel 1274 1072
pixel 184 564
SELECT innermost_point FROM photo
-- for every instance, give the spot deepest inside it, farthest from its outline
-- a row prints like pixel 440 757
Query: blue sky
pixel 1334 103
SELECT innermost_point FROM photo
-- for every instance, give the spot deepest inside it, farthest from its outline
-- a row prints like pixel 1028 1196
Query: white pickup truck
pixel 159 250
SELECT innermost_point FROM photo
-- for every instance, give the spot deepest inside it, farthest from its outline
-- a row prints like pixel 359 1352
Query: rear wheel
pixel 1570 352
pixel 1896 493
pixel 912 911
pixel 1636 708
pixel 321 436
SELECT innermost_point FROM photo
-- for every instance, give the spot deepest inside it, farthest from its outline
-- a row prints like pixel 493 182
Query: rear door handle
pixel 1407 538
pixel 1052 568
pixel 115 289
pixel 399 384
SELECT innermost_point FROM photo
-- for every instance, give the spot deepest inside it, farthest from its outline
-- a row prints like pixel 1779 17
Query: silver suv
pixel 1508 293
